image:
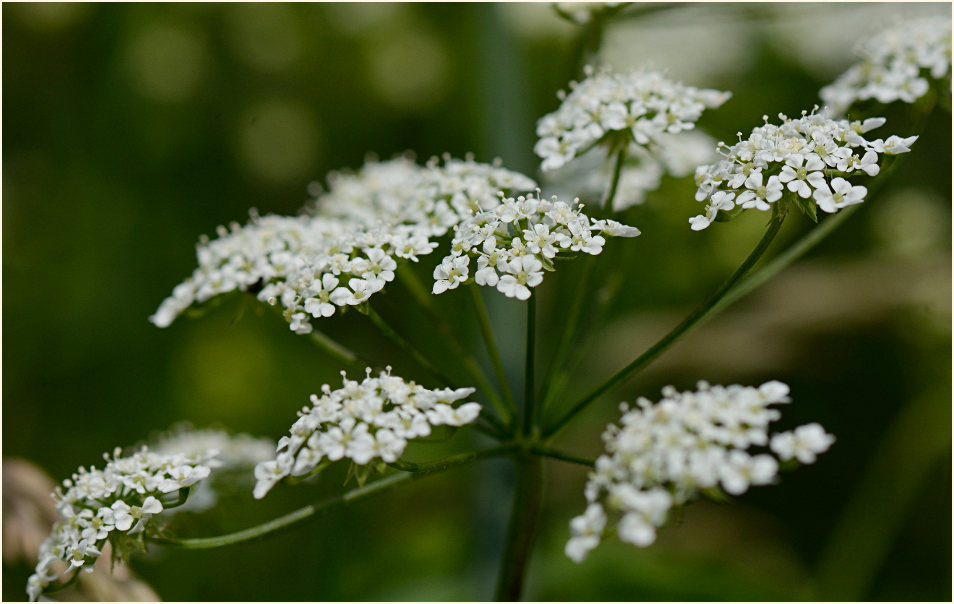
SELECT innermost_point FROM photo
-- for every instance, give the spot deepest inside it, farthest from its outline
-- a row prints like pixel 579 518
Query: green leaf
pixel 715 494
pixel 807 206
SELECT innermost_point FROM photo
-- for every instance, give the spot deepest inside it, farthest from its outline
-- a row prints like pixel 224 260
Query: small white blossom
pixel 662 454
pixel 362 421
pixel 841 194
pixel 804 443
pixel 896 65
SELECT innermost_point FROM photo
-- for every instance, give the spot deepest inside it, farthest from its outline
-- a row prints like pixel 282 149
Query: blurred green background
pixel 131 129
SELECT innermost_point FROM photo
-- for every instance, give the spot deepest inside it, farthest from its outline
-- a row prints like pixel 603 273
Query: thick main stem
pixel 696 317
pixel 521 531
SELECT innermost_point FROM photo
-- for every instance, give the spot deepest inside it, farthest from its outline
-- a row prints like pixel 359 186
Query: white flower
pixel 804 443
pixel 522 273
pixel 319 304
pixel 841 194
pixel 450 273
pixel 662 454
pixel 896 65
pixel 587 530
pixel 362 421
pixel 798 177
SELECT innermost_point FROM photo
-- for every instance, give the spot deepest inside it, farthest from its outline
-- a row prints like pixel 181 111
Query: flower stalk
pixel 691 321
pixel 379 486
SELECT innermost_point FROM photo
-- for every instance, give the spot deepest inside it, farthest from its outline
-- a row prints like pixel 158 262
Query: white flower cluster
pixel 115 504
pixel 349 246
pixel 674 154
pixel 664 454
pixel 516 241
pixel 639 106
pixel 810 156
pixel 363 421
pixel 895 65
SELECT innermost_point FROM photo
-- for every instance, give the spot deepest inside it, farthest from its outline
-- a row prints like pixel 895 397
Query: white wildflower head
pixel 664 454
pixel 349 245
pixel 366 421
pixel 115 504
pixel 618 109
pixel 515 242
pixel 897 65
pixel 806 161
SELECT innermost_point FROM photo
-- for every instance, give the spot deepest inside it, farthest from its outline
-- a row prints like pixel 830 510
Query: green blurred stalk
pixel 874 515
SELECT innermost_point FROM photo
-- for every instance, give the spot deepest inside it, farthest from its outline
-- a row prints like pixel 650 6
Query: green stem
pixel 55 588
pixel 696 317
pixel 450 462
pixel 614 182
pixel 406 346
pixel 791 254
pixel 426 301
pixel 598 313
pixel 378 486
pixel 336 350
pixel 562 456
pixel 487 332
pixel 529 402
pixel 524 515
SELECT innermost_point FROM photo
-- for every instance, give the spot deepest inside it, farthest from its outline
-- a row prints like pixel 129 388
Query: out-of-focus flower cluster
pixel 583 12
pixel 638 106
pixel 362 421
pixel 896 65
pixel 235 456
pixel 350 244
pixel 116 504
pixel 516 241
pixel 810 156
pixel 665 454
pixel 674 154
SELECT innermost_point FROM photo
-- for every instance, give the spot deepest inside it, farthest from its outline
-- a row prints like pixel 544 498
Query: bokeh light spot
pixel 408 70
pixel 166 62
pixel 265 36
pixel 278 141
